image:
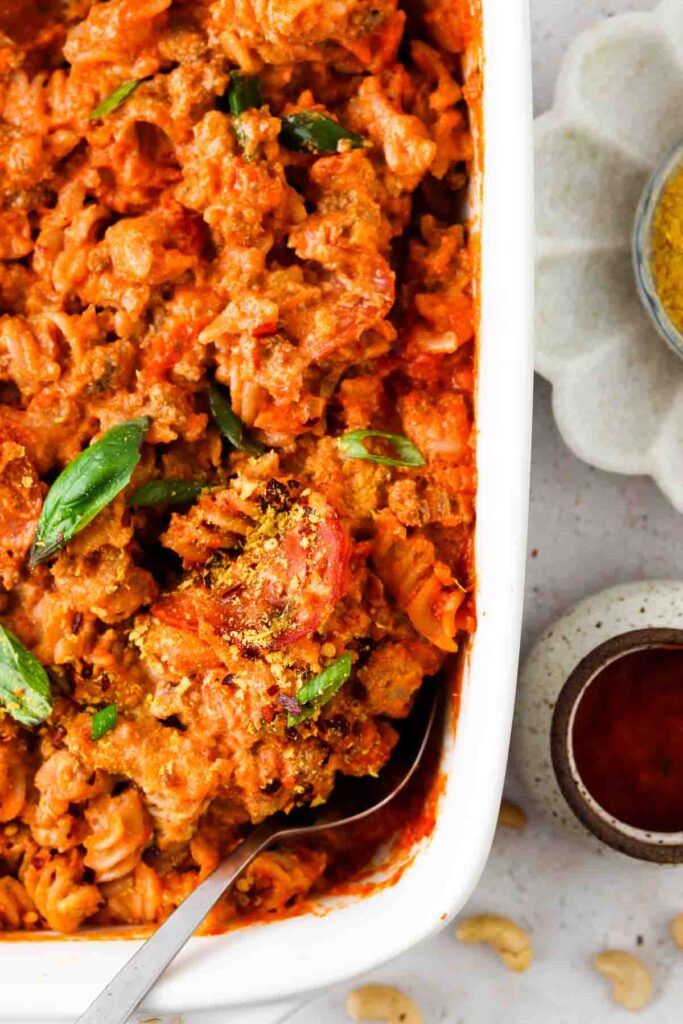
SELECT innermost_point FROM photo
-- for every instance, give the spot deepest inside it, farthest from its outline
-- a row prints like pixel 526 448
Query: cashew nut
pixel 677 930
pixel 511 816
pixel 632 981
pixel 382 1002
pixel 511 943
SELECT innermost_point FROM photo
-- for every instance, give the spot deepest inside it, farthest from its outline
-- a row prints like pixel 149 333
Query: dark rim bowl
pixel 660 847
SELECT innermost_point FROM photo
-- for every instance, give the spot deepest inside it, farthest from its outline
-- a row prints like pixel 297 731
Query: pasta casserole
pixel 237 476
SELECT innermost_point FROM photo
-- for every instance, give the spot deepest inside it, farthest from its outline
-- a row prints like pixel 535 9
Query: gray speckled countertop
pixel 588 530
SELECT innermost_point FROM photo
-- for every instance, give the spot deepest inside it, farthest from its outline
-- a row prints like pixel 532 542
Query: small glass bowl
pixel 641 248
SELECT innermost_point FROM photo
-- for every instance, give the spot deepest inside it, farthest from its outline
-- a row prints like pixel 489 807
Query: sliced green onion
pixel 244 93
pixel 169 492
pixel 321 688
pixel 112 102
pixel 88 483
pixel 231 425
pixel 312 132
pixel 353 448
pixel 25 691
pixel 104 720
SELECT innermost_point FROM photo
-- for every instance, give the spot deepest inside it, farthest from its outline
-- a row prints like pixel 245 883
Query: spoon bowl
pixel 353 800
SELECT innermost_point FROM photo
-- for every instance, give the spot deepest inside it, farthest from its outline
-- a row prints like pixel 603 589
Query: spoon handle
pixel 125 992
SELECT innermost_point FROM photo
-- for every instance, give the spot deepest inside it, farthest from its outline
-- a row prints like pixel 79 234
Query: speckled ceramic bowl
pixel 597 620
pixel 660 847
pixel 642 248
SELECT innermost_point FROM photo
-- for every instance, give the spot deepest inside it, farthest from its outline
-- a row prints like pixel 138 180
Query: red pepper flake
pixel 38 863
pixel 265 330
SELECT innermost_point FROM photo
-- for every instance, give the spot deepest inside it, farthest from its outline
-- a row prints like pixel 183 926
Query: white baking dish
pixel 53 981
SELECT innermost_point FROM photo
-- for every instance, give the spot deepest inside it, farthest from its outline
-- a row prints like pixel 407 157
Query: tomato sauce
pixel 628 739
pixel 185 244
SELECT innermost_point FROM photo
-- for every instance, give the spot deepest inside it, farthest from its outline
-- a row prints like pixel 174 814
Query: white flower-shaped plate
pixel 617 389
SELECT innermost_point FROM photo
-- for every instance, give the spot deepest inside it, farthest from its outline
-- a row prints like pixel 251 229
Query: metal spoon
pixel 353 800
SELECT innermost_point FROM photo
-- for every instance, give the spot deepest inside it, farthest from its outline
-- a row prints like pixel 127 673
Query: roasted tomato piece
pixel 286 580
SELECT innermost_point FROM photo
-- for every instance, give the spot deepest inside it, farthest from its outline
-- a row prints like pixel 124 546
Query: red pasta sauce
pixel 628 739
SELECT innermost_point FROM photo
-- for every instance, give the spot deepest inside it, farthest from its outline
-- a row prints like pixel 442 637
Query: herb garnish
pixel 230 424
pixel 168 491
pixel 312 132
pixel 104 720
pixel 24 684
pixel 112 102
pixel 353 448
pixel 87 484
pixel 321 688
pixel 244 93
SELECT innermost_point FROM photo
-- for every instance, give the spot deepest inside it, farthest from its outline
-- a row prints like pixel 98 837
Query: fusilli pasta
pixel 55 884
pixel 238 314
pixel 119 831
pixel 16 907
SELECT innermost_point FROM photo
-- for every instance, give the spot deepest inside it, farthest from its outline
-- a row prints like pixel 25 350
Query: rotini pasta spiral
pixel 55 884
pixel 56 832
pixel 135 898
pixel 120 830
pixel 61 782
pixel 16 907
pixel 277 308
pixel 13 782
pixel 280 876
pixel 16 845
pixel 421 585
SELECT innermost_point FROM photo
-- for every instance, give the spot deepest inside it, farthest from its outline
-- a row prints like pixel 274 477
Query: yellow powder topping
pixel 667 249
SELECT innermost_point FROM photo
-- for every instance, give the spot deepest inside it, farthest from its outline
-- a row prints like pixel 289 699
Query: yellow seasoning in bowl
pixel 667 249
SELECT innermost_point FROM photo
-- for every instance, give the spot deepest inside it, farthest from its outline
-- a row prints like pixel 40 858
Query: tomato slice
pixel 279 589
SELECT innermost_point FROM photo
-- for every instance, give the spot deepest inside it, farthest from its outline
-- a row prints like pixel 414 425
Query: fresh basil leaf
pixel 169 492
pixel 353 448
pixel 312 132
pixel 87 484
pixel 24 684
pixel 104 720
pixel 230 425
pixel 110 104
pixel 321 688
pixel 244 93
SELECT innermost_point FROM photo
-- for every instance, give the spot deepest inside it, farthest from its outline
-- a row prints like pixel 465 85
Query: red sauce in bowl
pixel 628 739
